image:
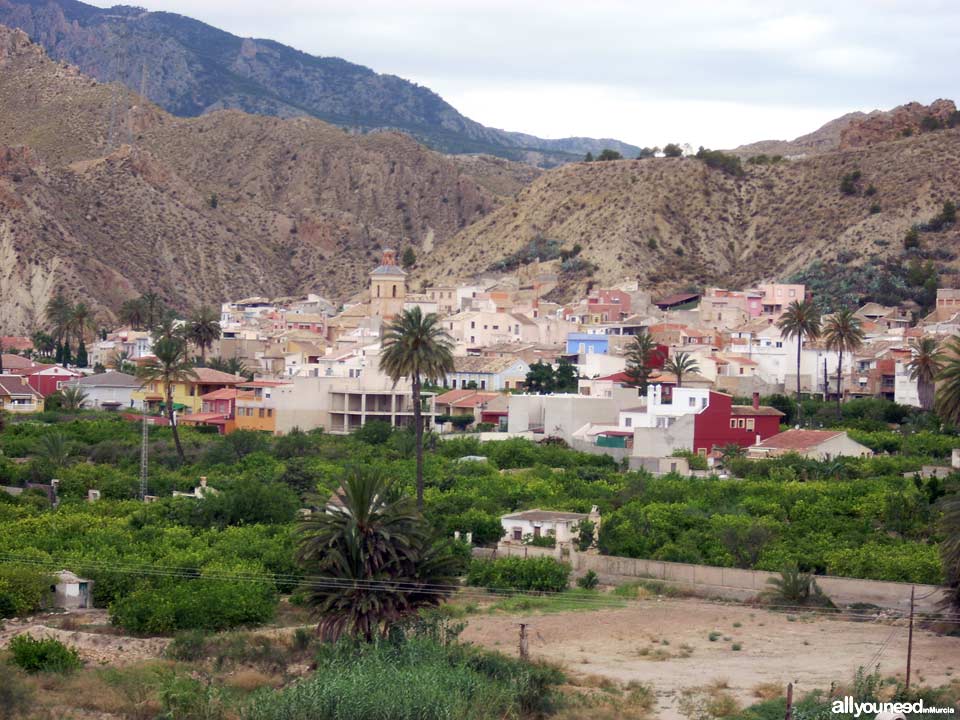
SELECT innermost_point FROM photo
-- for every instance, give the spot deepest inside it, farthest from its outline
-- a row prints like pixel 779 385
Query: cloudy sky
pixel 718 73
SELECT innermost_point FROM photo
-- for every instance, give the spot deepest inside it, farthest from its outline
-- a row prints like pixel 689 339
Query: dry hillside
pixel 208 208
pixel 674 222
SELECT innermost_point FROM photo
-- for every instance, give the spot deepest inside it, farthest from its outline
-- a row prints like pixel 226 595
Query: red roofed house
pixel 813 444
pixel 469 402
pixel 45 379
pixel 723 423
pixel 16 396
pixel 219 409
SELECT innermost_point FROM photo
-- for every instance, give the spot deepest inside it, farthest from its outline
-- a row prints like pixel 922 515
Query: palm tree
pixel 370 561
pixel 81 320
pixel 133 313
pixel 801 320
pixel 417 347
pixel 234 366
pixel 950 549
pixel 121 362
pixel 72 397
pixel 153 309
pixel 59 316
pixel 168 366
pixel 947 402
pixel 682 363
pixel 925 364
pixel 55 449
pixel 203 329
pixel 43 344
pixel 842 332
pixel 641 355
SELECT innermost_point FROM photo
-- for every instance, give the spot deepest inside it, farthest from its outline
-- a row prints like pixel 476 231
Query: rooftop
pixel 111 378
pixel 538 515
pixel 800 439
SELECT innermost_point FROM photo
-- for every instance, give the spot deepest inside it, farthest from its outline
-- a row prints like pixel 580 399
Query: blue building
pixel 587 343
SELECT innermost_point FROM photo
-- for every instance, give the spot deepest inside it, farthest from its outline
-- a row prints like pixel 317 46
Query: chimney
pixel 756 401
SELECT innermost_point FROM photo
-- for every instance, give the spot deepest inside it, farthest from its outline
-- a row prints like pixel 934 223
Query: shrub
pixel 46 655
pixel 22 589
pixel 588 581
pixel 188 646
pixel 541 574
pixel 730 164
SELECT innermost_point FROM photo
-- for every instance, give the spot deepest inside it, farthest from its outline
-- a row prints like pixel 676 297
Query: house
pixel 559 415
pixel 111 390
pixel 16 396
pixel 562 526
pixel 813 444
pixel 587 343
pixel 187 393
pixel 219 410
pixel 470 403
pixel 258 403
pixel 486 373
pixel 72 592
pixel 677 300
pixel 45 379
pixel 778 296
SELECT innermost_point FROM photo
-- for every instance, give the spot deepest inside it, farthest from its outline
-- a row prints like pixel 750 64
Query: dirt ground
pixel 666 644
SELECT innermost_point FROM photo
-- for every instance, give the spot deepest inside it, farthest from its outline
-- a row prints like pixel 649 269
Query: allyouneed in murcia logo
pixel 886 710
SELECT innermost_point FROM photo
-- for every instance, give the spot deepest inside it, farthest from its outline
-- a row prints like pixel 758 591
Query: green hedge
pixel 542 574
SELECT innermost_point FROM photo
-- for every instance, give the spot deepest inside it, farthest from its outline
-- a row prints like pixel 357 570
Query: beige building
pixel 388 288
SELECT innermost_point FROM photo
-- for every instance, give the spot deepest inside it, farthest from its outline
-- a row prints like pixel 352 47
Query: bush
pixel 730 164
pixel 542 574
pixel 46 655
pixel 22 589
pixel 588 581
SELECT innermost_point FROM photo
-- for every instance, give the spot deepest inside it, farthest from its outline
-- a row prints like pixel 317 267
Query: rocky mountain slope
pixel 675 222
pixel 190 68
pixel 207 208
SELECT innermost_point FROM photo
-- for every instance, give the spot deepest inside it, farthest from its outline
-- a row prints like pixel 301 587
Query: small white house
pixel 563 526
pixel 813 444
pixel 110 390
pixel 72 592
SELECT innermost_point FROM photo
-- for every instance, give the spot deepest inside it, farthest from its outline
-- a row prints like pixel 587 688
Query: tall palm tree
pixel 925 364
pixel 417 347
pixel 641 355
pixel 203 329
pixel 59 316
pixel 842 332
pixel 121 362
pixel 947 401
pixel 370 560
pixel 133 313
pixel 233 365
pixel 682 363
pixel 801 320
pixel 169 365
pixel 43 344
pixel 153 309
pixel 81 320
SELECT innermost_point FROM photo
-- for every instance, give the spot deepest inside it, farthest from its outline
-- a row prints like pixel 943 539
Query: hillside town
pixel 308 363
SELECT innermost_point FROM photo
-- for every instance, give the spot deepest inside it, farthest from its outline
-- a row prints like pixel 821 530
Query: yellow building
pixel 257 406
pixel 187 395
pixel 388 288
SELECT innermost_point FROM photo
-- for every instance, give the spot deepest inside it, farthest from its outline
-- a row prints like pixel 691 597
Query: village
pixel 310 364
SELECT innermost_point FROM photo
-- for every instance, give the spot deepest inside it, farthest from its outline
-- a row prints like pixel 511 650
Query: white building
pixel 812 444
pixel 905 390
pixel 562 526
pixel 111 390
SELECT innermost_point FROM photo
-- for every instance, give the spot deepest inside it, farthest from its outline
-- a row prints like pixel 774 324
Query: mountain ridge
pixel 192 68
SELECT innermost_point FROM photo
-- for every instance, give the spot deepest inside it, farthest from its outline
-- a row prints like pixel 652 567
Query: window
pixel 750 423
pixel 261 412
pixel 483 384
pixel 741 371
pixel 702 452
pixel 628 421
pixel 693 402
pixel 518 533
pixel 378 291
pixel 733 423
pixel 269 412
pixel 394 290
pixel 778 344
pixel 453 383
pixel 793 293
pixel 473 325
pixel 740 423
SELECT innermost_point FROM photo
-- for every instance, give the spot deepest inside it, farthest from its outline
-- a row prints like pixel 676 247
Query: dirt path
pixel 666 644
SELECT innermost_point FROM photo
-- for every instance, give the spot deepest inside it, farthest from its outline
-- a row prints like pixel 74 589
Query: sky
pixel 718 73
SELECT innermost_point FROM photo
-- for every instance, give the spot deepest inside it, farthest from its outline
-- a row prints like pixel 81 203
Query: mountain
pixel 190 68
pixel 207 208
pixel 858 129
pixel 676 222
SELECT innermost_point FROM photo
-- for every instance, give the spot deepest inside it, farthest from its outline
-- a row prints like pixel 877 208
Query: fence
pixel 730 583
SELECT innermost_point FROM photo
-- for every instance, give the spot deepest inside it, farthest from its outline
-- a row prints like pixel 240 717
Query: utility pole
pixel 524 646
pixel 910 638
pixel 789 713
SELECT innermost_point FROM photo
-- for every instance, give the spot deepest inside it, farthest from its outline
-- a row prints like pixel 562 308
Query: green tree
pixel 925 364
pixel 566 377
pixel 801 320
pixel 842 332
pixel 417 347
pixel 153 309
pixel 672 150
pixel 947 402
pixel 55 449
pixel 647 152
pixel 133 313
pixel 72 397
pixel 82 359
pixel 169 365
pixel 540 379
pixel 121 362
pixel 81 320
pixel 641 355
pixel 234 366
pixel 588 157
pixel 203 330
pixel 608 154
pixel 372 560
pixel 680 364
pixel 59 315
pixel 43 343
pixel 409 258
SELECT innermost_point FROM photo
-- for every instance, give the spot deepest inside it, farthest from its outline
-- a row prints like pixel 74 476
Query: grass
pixel 646 588
pixel 713 636
pixel 574 599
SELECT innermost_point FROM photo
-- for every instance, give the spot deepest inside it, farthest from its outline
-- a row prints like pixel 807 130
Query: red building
pixel 610 305
pixel 45 379
pixel 723 423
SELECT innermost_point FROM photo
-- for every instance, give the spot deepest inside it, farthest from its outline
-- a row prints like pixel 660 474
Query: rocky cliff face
pixel 190 68
pixel 905 120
